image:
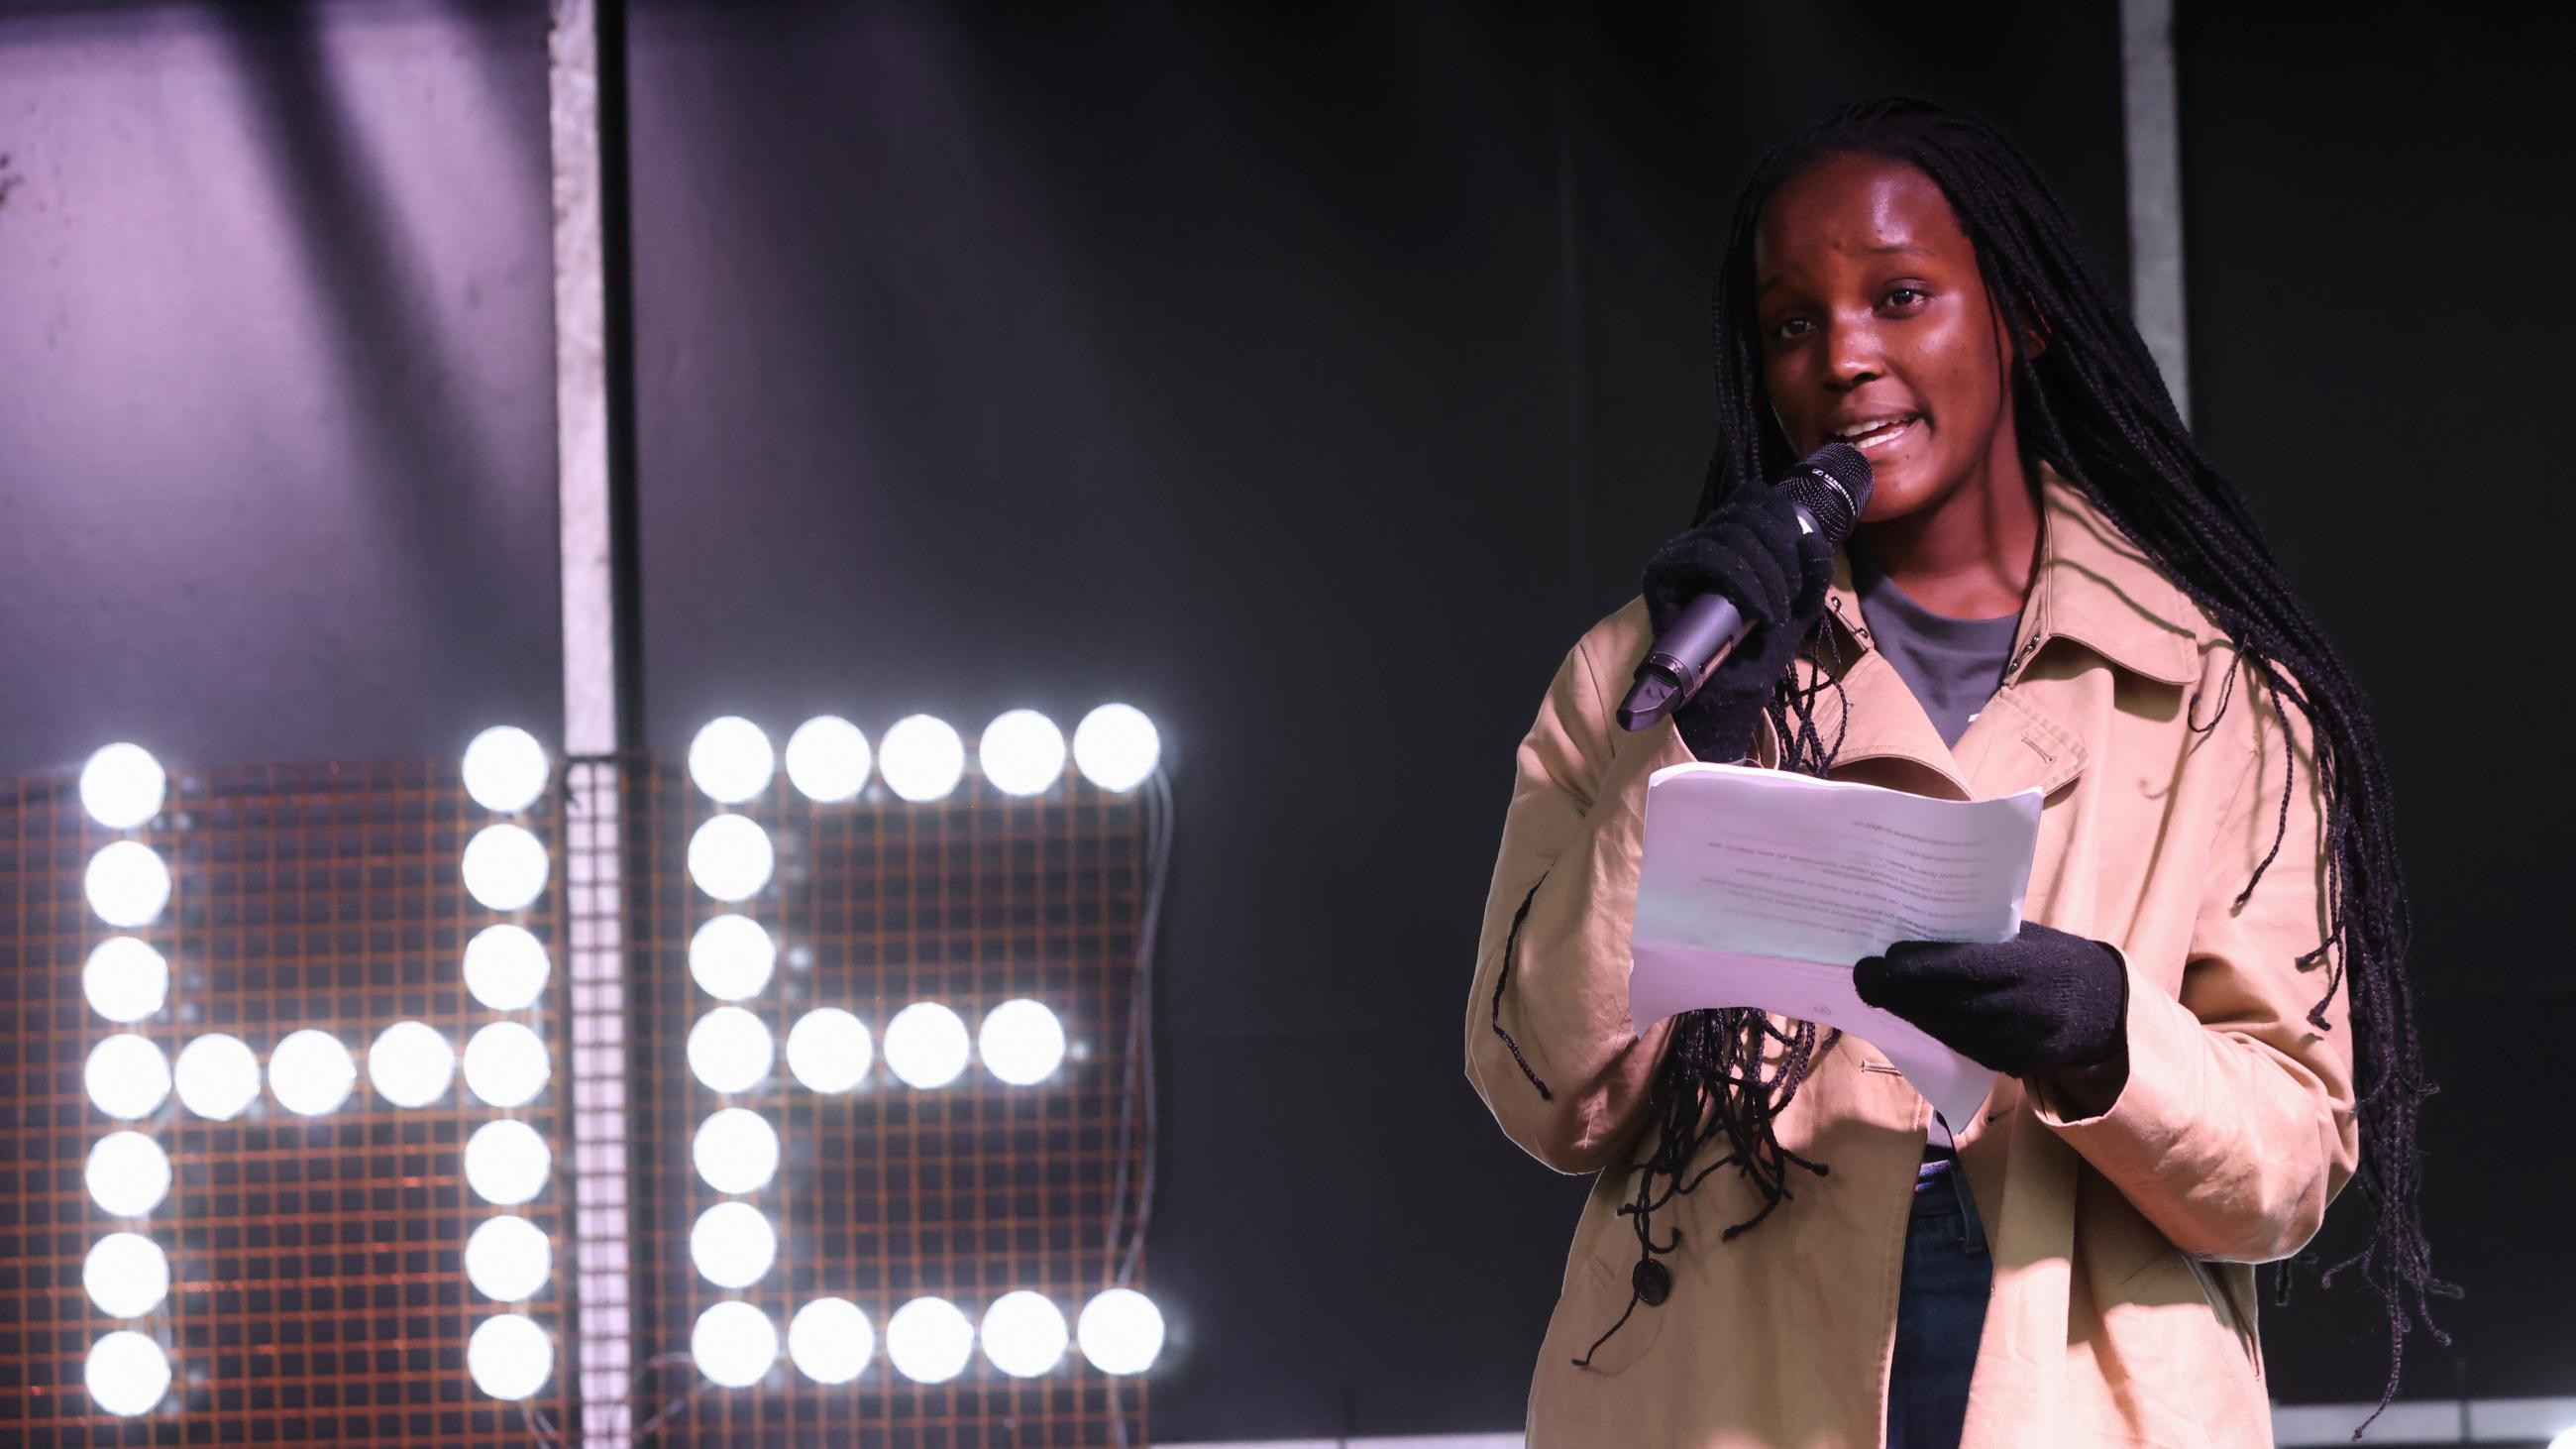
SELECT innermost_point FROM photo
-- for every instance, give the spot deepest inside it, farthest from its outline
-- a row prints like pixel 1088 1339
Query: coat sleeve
pixel 1549 1042
pixel 2235 1126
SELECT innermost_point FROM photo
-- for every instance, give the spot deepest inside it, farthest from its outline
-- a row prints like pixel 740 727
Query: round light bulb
pixel 411 1064
pixel 506 967
pixel 505 769
pixel 926 1045
pixel 128 883
pixel 506 1064
pixel 1024 1334
pixel 507 1259
pixel 1121 1332
pixel 509 1356
pixel 506 1162
pixel 125 980
pixel 828 1050
pixel 1021 1042
pixel 827 759
pixel 127 1275
pixel 505 867
pixel 730 957
pixel 310 1072
pixel 128 1078
pixel 922 759
pixel 730 858
pixel 929 1340
pixel 122 786
pixel 830 1341
pixel 218 1077
pixel 731 760
pixel 735 1150
pixel 734 1344
pixel 128 1174
pixel 1116 747
pixel 1022 753
pixel 732 1245
pixel 126 1374
pixel 730 1049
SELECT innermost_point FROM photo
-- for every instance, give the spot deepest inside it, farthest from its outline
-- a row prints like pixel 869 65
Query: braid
pixel 2093 405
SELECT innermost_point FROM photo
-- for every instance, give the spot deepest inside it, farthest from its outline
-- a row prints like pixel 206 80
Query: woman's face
pixel 1877 328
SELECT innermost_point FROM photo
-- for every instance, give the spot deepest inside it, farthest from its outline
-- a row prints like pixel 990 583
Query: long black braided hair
pixel 2093 405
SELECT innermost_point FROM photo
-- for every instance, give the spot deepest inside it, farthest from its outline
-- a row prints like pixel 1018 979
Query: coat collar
pixel 2093 590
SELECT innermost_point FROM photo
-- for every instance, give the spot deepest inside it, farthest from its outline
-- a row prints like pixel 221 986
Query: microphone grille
pixel 1832 484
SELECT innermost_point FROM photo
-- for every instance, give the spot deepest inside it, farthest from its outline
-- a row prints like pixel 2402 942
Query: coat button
pixel 1653 1282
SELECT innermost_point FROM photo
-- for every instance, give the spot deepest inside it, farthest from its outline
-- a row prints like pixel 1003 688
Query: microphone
pixel 1828 489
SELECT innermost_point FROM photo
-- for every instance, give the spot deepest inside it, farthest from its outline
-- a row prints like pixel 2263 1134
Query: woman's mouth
pixel 1879 434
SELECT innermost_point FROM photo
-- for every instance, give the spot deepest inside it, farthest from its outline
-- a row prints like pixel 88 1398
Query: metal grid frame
pixel 318 1292
pixel 966 1191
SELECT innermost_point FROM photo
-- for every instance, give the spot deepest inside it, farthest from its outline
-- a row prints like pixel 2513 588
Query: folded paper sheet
pixel 1760 889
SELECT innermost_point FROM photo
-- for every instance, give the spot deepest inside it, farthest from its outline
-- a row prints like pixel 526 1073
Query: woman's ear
pixel 2034 339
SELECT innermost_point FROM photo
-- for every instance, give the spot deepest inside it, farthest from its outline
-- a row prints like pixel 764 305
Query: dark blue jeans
pixel 1939 1313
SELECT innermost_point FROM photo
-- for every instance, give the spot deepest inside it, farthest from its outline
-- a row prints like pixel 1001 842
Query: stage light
pixel 125 980
pixel 735 1151
pixel 509 1356
pixel 122 786
pixel 127 1275
pixel 734 1344
pixel 1121 1332
pixel 506 1064
pixel 310 1072
pixel 827 759
pixel 1024 1334
pixel 411 1064
pixel 127 1373
pixel 730 1049
pixel 507 1259
pixel 506 967
pixel 731 760
pixel 505 769
pixel 128 1078
pixel 218 1077
pixel 830 1341
pixel 1116 747
pixel 926 1045
pixel 828 1050
pixel 127 883
pixel 922 758
pixel 929 1341
pixel 505 867
pixel 732 1245
pixel 1022 753
pixel 506 1162
pixel 128 1174
pixel 730 957
pixel 730 858
pixel 1021 1042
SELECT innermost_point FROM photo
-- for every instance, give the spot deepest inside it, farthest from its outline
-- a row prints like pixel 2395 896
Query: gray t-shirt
pixel 1953 665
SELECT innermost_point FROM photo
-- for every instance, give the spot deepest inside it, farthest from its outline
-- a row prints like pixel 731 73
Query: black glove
pixel 1751 552
pixel 2040 1000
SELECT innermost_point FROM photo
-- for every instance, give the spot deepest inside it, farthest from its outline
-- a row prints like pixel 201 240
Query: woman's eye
pixel 1793 327
pixel 1904 296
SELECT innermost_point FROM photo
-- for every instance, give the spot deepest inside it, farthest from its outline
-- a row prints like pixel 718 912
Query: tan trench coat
pixel 2123 1308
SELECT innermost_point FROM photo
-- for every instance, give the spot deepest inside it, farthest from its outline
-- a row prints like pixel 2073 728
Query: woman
pixel 2050 587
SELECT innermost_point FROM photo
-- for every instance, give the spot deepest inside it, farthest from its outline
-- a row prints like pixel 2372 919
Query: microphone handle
pixel 1707 630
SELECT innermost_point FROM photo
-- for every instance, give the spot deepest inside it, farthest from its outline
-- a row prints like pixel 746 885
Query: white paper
pixel 1759 888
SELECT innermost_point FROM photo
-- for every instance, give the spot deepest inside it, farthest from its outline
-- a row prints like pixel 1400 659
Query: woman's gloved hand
pixel 2043 1000
pixel 1752 552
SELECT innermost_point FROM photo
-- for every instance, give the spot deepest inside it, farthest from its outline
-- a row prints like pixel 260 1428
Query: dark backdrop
pixel 1215 358
pixel 1312 377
